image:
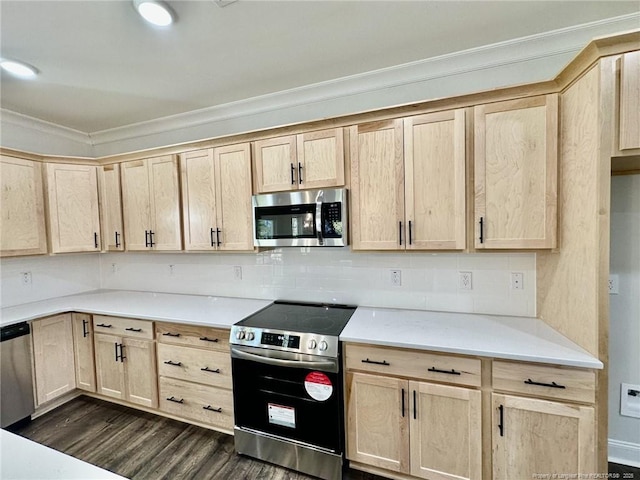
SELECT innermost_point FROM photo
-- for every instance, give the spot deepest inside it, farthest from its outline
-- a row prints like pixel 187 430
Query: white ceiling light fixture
pixel 155 12
pixel 18 69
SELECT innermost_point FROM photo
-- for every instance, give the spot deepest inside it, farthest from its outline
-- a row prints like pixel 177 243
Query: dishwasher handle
pixel 14 331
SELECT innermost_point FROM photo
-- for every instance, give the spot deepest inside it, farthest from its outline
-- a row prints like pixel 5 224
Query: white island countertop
pixel 512 338
pixel 206 310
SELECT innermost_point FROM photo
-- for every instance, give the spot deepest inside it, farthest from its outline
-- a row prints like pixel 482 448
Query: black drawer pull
pixel 169 334
pixel 207 339
pixel 173 399
pixel 174 364
pixel 103 325
pixel 437 370
pixel 211 409
pixel 384 362
pixel 129 329
pixel 528 381
pixel 207 369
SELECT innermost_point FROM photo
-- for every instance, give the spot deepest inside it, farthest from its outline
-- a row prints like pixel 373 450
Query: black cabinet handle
pixel 213 243
pixel 116 345
pixel 481 230
pixel 175 400
pixel 169 334
pixel 400 232
pixel 415 408
pixel 293 182
pixel 85 330
pixel 552 384
pixel 299 172
pixel 117 239
pixel 211 409
pixel 174 364
pixel 501 423
pixel 122 357
pixel 151 242
pixel 409 232
pixel 206 339
pixel 129 329
pixel 403 403
pixel 450 372
pixel 95 239
pixel 146 238
pixel 384 362
pixel 103 325
pixel 218 242
pixel 207 369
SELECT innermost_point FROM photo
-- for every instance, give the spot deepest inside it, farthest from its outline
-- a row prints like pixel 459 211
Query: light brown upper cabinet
pixel 630 101
pixel 22 224
pixel 307 160
pixel 111 207
pixel 151 204
pixel 72 208
pixel 516 163
pixel 408 183
pixel 216 198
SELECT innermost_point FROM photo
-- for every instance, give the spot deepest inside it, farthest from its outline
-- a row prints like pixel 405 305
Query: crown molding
pixel 10 117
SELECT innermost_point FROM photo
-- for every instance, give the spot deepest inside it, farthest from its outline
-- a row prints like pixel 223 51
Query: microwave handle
pixel 319 201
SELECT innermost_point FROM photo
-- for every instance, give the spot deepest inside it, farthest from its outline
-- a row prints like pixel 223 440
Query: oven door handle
pixel 315 365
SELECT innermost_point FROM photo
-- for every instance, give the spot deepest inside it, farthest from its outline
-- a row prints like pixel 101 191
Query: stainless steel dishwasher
pixel 16 387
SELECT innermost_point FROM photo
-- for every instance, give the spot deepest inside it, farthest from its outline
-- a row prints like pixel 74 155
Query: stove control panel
pixel 308 343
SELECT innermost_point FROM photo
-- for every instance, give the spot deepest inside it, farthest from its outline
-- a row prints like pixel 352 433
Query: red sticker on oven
pixel 318 386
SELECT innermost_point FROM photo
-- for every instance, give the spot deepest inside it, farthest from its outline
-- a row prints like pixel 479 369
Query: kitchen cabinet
pixel 72 208
pixel 151 204
pixel 398 421
pixel 53 357
pixel 408 183
pixel 307 160
pixel 22 221
pixel 516 167
pixel 216 198
pixel 629 122
pixel 126 360
pixel 83 351
pixel 111 207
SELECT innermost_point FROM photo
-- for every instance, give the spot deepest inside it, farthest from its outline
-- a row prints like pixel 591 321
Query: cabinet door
pixel 109 369
pixel 199 200
pixel 537 437
pixel 321 159
pixel 22 226
pixel 377 421
pixel 516 162
pixel 377 186
pixel 83 351
pixel 276 164
pixel 111 207
pixel 165 203
pixel 630 101
pixel 54 365
pixel 233 193
pixel 446 432
pixel 136 203
pixel 434 162
pixel 74 219
pixel 141 380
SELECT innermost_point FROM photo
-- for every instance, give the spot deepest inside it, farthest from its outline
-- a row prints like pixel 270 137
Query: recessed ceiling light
pixel 18 69
pixel 155 12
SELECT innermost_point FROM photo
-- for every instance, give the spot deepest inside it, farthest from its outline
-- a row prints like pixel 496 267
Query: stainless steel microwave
pixel 305 218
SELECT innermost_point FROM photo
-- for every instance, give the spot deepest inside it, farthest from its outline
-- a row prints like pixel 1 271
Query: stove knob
pixel 240 334
pixel 323 346
pixel 250 336
pixel 312 344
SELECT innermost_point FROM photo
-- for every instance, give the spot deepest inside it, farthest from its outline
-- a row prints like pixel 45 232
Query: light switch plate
pixel 630 400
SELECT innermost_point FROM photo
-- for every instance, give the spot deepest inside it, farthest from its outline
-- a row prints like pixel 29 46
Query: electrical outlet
pixel 237 272
pixel 396 278
pixel 26 278
pixel 114 268
pixel 517 279
pixel 613 284
pixel 464 281
pixel 172 269
pixel 630 400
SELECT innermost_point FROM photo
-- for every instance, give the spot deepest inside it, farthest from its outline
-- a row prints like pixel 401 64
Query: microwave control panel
pixel 332 220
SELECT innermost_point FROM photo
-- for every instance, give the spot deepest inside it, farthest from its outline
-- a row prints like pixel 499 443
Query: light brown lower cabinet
pixel 83 351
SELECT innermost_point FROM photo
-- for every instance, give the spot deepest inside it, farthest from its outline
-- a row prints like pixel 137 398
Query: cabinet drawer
pixel 193 336
pixel 414 364
pixel 126 327
pixel 195 365
pixel 545 381
pixel 210 405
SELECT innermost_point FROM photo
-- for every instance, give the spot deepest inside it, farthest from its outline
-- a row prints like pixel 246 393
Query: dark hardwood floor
pixel 143 446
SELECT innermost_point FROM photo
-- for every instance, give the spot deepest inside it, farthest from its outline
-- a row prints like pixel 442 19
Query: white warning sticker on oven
pixel 281 415
pixel 318 386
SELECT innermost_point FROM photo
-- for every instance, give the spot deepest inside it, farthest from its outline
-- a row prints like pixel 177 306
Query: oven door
pixel 288 395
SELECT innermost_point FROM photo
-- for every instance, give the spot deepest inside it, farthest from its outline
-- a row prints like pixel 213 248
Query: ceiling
pixel 102 67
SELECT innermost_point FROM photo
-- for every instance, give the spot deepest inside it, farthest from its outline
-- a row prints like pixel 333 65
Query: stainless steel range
pixel 287 386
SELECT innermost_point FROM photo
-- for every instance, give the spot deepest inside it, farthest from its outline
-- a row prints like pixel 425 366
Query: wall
pixel 429 281
pixel 624 333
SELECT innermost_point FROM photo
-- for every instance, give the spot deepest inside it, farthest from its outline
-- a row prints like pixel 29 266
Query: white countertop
pixel 166 307
pixel 513 338
pixel 20 458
